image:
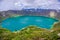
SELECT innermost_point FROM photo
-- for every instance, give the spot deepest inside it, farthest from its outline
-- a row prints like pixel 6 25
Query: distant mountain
pixel 36 12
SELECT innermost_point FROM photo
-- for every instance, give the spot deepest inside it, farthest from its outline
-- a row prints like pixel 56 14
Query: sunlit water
pixel 17 23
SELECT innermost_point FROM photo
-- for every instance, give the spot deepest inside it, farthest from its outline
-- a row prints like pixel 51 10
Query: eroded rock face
pixel 36 12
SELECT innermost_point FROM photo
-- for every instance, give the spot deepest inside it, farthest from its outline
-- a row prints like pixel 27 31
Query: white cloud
pixel 19 4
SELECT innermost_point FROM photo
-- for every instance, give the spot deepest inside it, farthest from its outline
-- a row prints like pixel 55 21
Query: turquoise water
pixel 17 23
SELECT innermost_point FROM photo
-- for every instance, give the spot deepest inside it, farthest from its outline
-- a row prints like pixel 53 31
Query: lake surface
pixel 17 23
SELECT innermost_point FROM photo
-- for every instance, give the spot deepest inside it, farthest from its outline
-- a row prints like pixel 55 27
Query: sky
pixel 26 4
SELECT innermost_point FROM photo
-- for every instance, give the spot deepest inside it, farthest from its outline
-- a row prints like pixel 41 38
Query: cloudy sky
pixel 20 4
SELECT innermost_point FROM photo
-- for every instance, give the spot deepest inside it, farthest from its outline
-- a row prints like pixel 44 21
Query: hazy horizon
pixel 20 4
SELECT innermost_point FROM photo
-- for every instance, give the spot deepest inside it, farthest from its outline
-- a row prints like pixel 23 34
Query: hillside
pixel 30 33
pixel 34 12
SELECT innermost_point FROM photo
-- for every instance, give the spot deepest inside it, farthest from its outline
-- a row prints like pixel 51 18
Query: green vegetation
pixel 56 25
pixel 6 34
pixel 1 19
pixel 30 33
